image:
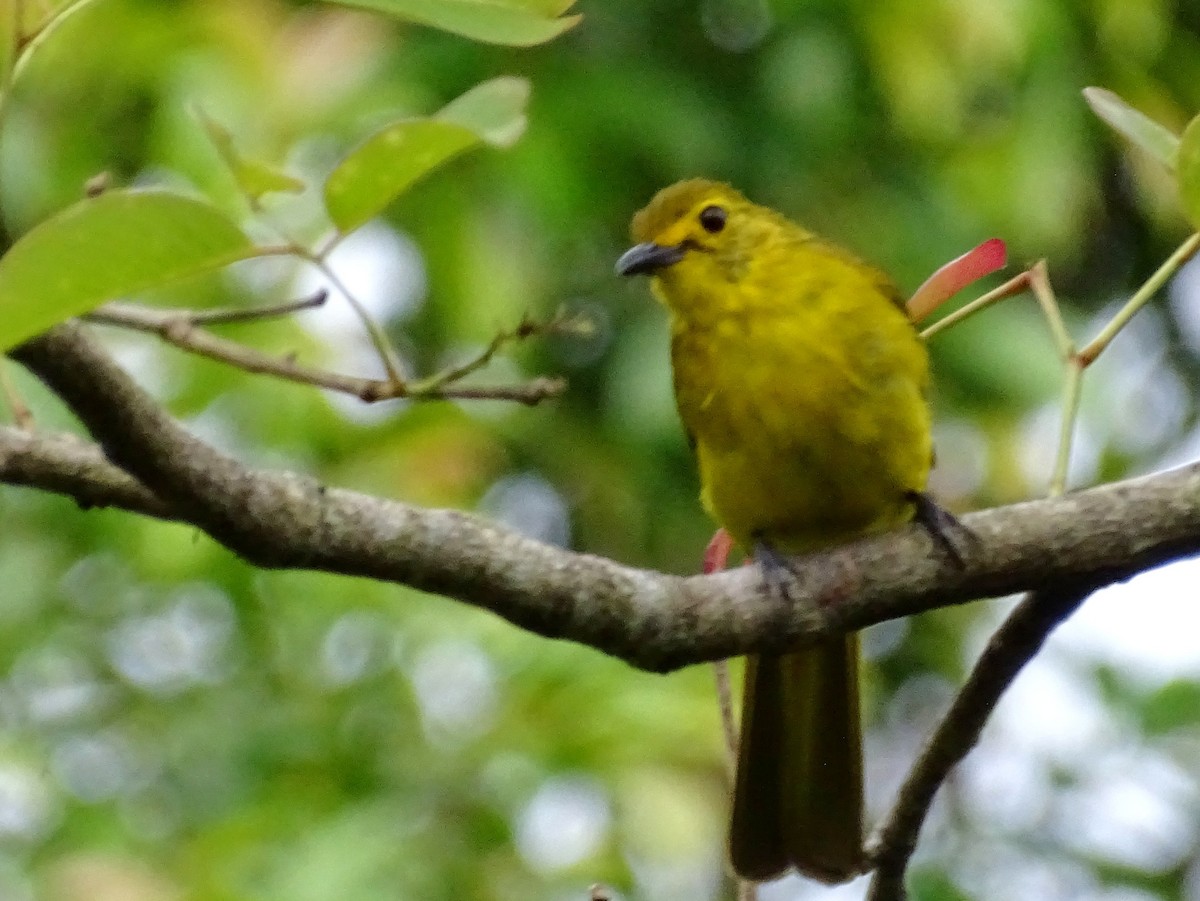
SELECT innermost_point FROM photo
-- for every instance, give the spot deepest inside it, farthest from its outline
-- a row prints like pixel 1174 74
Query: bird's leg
pixel 775 567
pixel 941 524
pixel 832 576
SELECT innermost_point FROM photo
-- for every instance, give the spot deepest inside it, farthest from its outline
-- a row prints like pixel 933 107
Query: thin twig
pixel 1140 298
pixel 1010 288
pixel 327 246
pixel 1039 284
pixel 747 890
pixel 182 331
pixel 229 315
pixel 1012 646
pixel 725 705
pixel 379 338
pixel 561 323
pixel 1072 392
pixel 21 414
pixel 716 557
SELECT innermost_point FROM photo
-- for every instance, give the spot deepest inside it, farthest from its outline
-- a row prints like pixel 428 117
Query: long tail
pixel 798 799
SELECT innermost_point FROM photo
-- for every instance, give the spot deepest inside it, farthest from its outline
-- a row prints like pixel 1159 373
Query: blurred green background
pixel 175 724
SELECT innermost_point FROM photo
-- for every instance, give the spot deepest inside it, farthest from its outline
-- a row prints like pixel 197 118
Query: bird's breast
pixel 809 426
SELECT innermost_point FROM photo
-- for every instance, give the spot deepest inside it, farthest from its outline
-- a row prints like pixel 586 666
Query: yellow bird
pixel 801 382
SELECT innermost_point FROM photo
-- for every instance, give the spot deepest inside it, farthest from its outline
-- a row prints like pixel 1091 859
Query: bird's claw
pixel 778 570
pixel 941 525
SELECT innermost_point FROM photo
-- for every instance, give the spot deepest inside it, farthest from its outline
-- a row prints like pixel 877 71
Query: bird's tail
pixel 798 799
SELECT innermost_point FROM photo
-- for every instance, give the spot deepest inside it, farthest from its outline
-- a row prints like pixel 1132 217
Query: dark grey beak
pixel 646 259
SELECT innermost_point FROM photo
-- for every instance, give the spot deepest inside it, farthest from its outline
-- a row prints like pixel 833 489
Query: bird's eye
pixel 712 218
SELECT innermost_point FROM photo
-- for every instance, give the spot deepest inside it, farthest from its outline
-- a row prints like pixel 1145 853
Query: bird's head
pixel 686 219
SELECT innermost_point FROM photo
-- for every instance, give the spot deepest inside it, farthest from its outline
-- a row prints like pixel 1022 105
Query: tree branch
pixel 1013 645
pixel 186 331
pixel 654 621
pixel 64 464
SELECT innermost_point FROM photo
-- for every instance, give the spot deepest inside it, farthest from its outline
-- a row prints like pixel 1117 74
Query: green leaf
pixel 1187 168
pixel 519 23
pixel 45 31
pixel 494 110
pixel 255 179
pixel 121 242
pixel 378 171
pixel 930 884
pixel 1133 125
pixel 1174 706
pixel 390 161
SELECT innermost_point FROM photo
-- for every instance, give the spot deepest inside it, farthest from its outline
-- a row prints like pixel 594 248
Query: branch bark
pixel 652 620
pixel 66 464
pixel 186 331
pixel 1013 645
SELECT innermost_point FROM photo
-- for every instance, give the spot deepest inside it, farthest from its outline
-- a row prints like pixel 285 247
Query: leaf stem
pixel 1062 460
pixel 481 359
pixel 383 345
pixel 8 76
pixel 1010 288
pixel 26 48
pixel 1140 298
pixel 1039 284
pixel 251 314
pixel 21 414
pixel 185 329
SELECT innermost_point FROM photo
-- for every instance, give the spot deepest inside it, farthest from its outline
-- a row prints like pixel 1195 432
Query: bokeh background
pixel 177 725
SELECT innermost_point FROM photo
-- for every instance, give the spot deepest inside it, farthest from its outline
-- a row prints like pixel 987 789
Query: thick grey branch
pixel 652 620
pixel 68 465
pixel 1015 644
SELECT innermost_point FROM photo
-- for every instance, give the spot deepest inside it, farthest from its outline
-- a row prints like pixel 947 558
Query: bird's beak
pixel 648 258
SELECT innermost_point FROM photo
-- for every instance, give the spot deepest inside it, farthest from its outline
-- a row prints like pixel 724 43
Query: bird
pixel 802 385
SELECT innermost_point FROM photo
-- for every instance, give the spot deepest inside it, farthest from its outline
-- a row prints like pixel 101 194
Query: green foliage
pixel 1174 707
pixel 1188 170
pixel 119 243
pixel 1180 154
pixel 255 178
pixel 177 724
pixel 520 23
pixel 934 886
pixel 128 242
pixel 391 160
pixel 1136 127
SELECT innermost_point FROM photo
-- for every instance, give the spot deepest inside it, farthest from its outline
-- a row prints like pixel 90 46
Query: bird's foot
pixel 829 576
pixel 777 569
pixel 943 527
